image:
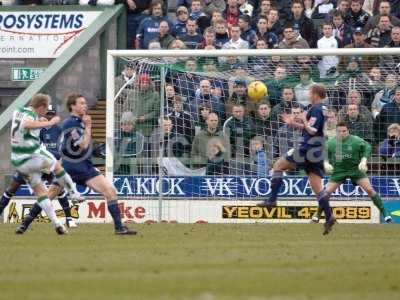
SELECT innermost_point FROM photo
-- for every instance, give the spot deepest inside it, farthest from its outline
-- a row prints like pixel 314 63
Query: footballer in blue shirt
pixel 307 155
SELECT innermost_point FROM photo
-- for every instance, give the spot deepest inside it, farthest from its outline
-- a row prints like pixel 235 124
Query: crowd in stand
pixel 212 118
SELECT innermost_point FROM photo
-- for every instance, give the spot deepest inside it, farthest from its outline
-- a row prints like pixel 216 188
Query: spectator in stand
pixel 221 33
pixel 204 139
pixel 231 13
pixel 358 16
pixel 354 77
pixel 178 45
pixel 125 81
pixel 275 86
pixel 204 111
pixel 216 15
pixel 305 61
pixel 247 33
pixel 196 10
pixel 211 7
pixel 390 113
pixel 380 35
pixel 216 162
pixel 384 9
pixel 284 107
pixel 239 96
pixel 170 95
pixel 301 24
pixel 366 62
pixel 328 64
pixel 343 7
pixel 263 33
pixel 262 121
pixel 354 97
pixel 182 120
pixel 292 40
pixel 203 95
pixel 208 39
pixel 302 90
pixel 395 38
pixel 375 81
pixel 283 7
pixel 182 15
pixel 187 81
pixel 239 129
pixel 260 161
pixel 342 32
pixel 358 124
pixel 273 23
pixel 386 95
pixel 164 36
pixel 135 15
pixel 128 143
pixel 236 42
pixel 288 136
pixel 308 8
pixel 390 147
pixel 263 10
pixel 330 123
pixel 167 138
pixel 191 38
pixel 321 11
pixel 146 105
pixel 392 62
pixel 148 28
pixel 258 64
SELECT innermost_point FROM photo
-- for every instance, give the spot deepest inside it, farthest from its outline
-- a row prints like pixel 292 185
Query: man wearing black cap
pixel 365 61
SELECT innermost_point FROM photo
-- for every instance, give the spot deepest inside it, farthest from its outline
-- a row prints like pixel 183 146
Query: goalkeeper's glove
pixel 363 165
pixel 328 167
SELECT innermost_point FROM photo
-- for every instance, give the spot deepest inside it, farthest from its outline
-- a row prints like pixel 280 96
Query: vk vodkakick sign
pixel 41 34
pixel 230 187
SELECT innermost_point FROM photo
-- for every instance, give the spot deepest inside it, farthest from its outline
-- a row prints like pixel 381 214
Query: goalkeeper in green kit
pixel 347 159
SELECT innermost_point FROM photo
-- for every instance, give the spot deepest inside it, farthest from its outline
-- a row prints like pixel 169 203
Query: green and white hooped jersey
pixel 24 142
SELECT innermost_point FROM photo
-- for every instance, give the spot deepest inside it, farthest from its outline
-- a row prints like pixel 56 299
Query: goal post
pixel 172 188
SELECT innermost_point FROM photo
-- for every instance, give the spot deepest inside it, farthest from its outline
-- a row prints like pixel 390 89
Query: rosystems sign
pixel 41 34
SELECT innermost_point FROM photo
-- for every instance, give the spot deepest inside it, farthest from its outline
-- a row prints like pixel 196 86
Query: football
pixel 257 91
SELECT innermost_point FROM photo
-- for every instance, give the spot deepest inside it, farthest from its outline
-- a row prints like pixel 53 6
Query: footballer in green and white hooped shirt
pixel 30 158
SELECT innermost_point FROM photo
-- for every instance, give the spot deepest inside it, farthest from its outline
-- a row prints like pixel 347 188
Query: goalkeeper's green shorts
pixel 354 175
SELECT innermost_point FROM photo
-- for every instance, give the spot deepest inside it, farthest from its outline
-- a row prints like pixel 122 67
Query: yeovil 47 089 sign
pixel 41 34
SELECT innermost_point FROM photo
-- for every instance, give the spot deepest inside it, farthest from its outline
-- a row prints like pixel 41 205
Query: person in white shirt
pixel 236 42
pixel 327 64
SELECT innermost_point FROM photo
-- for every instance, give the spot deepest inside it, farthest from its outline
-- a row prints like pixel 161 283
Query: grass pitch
pixel 204 262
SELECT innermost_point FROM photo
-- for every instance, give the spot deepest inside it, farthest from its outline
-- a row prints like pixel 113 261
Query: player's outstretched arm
pixel 36 124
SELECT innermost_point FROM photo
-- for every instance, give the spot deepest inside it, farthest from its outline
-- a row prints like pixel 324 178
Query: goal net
pixel 187 143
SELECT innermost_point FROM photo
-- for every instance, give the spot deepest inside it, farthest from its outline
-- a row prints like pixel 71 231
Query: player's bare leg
pixel 101 185
pixel 65 180
pixel 281 165
pixel 45 204
pixel 365 184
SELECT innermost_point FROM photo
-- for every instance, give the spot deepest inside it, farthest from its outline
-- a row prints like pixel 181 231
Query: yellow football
pixel 257 91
